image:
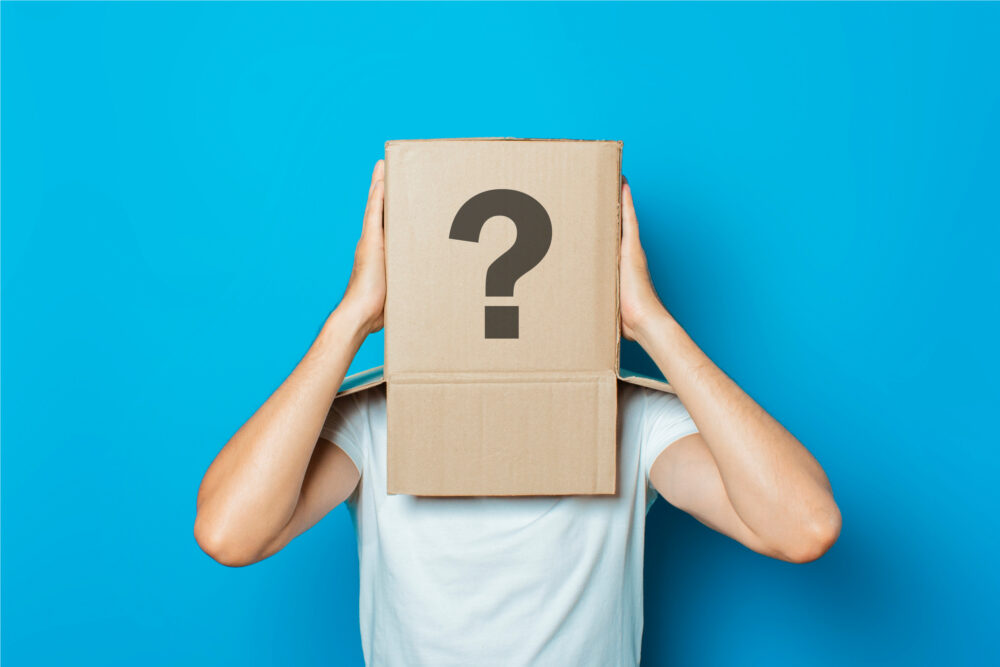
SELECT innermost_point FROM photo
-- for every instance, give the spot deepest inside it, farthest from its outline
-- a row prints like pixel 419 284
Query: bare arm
pixel 271 482
pixel 743 474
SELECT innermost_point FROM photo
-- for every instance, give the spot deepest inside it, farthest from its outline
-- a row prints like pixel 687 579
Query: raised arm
pixel 743 474
pixel 271 482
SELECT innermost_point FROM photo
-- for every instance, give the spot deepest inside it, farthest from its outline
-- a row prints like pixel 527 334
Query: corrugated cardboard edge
pixel 404 141
pixel 362 380
pixel 641 380
pixel 373 377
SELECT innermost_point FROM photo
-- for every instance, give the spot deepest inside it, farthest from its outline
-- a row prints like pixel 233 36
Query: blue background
pixel 183 184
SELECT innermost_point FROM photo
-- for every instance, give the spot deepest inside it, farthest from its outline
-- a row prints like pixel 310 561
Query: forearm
pixel 251 489
pixel 774 484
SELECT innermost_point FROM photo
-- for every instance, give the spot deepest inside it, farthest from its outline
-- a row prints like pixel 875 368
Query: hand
pixel 365 294
pixel 637 296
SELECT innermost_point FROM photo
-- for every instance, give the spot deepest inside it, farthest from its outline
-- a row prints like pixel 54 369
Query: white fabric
pixel 503 581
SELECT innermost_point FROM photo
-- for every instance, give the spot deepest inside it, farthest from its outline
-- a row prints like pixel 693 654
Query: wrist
pixel 345 326
pixel 650 323
pixel 670 347
pixel 353 314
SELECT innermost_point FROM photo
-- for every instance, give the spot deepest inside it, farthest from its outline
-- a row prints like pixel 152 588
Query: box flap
pixel 360 381
pixel 632 377
pixel 373 377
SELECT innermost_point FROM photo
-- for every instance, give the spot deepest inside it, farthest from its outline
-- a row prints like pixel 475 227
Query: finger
pixel 630 224
pixel 377 173
pixel 373 211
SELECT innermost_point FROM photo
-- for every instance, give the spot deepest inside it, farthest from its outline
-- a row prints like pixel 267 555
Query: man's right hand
pixel 365 295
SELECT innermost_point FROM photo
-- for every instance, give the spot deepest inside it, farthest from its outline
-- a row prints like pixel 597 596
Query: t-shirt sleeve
pixel 346 426
pixel 665 421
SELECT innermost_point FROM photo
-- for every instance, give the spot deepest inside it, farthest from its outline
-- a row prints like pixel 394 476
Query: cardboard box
pixel 501 317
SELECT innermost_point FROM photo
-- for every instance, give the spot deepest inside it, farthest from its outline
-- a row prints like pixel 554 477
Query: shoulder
pixel 636 401
pixel 360 401
pixel 351 415
pixel 352 421
pixel 659 416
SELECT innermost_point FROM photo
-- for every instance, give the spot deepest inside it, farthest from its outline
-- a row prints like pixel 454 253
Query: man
pixel 510 581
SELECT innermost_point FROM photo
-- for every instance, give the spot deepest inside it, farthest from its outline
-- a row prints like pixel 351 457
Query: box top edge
pixel 393 142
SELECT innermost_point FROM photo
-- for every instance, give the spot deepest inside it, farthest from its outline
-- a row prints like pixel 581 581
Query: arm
pixel 271 482
pixel 743 474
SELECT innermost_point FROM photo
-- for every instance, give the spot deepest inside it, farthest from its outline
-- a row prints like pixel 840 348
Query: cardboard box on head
pixel 501 317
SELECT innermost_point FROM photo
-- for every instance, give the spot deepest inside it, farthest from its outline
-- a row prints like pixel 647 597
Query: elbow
pixel 815 539
pixel 221 546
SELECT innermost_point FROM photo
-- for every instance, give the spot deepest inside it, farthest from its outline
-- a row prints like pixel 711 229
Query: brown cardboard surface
pixel 436 302
pixel 497 386
pixel 504 434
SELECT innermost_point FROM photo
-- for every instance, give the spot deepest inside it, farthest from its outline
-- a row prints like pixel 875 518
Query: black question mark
pixel 534 235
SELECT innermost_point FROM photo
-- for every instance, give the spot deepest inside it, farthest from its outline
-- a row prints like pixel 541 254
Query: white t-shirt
pixel 503 581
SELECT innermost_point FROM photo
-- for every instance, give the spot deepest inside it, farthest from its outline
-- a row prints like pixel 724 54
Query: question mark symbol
pixel 534 235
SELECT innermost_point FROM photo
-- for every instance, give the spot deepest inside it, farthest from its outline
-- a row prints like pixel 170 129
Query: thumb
pixel 630 224
pixel 376 193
